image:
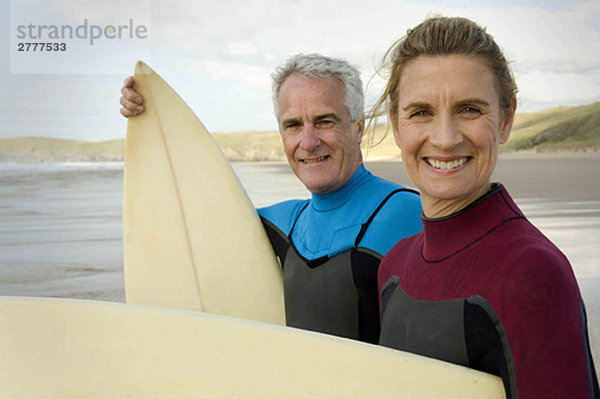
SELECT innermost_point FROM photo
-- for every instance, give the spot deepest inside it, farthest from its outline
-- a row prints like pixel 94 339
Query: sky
pixel 219 54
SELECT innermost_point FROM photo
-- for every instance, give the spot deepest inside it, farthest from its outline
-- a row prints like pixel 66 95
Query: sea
pixel 61 229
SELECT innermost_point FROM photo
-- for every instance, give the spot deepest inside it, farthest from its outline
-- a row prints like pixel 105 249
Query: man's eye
pixel 291 126
pixel 325 124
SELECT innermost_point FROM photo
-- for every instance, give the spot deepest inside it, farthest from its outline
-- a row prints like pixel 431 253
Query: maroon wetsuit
pixel 490 250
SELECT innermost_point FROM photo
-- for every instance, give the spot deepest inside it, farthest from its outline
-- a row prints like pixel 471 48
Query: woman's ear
pixel 507 122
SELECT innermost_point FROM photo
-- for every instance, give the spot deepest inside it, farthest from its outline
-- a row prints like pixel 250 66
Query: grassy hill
pixel 266 145
pixel 42 149
pixel 556 129
pixel 251 145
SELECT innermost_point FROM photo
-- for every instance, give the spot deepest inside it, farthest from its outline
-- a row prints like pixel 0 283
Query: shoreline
pixel 527 154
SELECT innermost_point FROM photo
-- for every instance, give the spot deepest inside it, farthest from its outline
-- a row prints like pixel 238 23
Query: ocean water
pixel 61 230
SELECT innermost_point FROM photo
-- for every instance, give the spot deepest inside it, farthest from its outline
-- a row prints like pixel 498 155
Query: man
pixel 330 246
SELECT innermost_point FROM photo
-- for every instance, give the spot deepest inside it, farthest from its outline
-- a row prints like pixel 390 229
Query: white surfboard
pixel 61 348
pixel 192 239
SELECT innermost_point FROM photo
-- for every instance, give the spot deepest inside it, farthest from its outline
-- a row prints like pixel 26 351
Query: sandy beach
pixel 60 226
pixel 573 175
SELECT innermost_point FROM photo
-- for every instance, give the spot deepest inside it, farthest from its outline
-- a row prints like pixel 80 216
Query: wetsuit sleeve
pixel 396 256
pixel 278 220
pixel 278 239
pixel 283 214
pixel 399 217
pixel 541 312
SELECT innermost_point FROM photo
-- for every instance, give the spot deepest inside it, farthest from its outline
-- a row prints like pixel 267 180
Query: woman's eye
pixel 470 110
pixel 419 113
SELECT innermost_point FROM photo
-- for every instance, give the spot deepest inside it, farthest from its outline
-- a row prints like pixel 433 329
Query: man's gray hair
pixel 318 66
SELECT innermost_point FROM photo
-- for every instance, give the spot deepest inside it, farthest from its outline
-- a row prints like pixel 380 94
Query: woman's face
pixel 449 125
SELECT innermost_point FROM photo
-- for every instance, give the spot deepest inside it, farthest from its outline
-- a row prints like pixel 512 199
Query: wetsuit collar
pixel 447 236
pixel 329 201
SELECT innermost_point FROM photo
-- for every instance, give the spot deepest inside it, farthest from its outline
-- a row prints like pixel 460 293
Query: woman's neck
pixel 435 208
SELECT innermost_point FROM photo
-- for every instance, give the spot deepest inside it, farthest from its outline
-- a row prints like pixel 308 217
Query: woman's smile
pixel 449 126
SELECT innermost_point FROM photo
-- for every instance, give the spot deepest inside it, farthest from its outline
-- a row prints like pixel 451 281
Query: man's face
pixel 321 142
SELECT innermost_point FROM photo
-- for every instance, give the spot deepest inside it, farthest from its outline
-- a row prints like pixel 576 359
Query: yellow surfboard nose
pixel 192 239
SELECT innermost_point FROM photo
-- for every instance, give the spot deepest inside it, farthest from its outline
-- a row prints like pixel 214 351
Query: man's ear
pixel 507 122
pixel 360 130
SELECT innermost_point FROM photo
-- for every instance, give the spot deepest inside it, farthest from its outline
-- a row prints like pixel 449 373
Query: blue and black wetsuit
pixel 330 248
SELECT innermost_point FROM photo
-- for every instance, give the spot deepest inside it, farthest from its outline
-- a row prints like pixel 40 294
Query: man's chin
pixel 314 185
pixel 319 186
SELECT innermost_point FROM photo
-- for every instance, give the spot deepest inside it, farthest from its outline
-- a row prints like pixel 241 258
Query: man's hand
pixel 131 101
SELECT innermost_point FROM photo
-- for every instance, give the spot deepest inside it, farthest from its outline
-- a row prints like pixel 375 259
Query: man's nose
pixel 309 138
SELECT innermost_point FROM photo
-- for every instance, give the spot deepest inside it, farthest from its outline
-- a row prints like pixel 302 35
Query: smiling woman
pixel 449 130
pixel 480 286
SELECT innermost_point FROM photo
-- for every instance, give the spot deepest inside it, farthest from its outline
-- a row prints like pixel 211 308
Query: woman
pixel 480 286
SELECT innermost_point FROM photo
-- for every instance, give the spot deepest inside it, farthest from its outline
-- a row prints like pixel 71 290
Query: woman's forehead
pixel 448 76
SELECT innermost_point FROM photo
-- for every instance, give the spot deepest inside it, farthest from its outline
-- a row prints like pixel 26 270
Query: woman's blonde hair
pixel 436 37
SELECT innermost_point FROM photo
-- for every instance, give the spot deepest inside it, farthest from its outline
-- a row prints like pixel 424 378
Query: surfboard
pixel 192 239
pixel 65 348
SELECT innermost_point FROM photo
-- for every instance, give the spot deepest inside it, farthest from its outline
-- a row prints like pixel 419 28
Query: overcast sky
pixel 219 54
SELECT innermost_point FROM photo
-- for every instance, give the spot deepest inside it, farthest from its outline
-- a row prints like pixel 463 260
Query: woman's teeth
pixel 443 165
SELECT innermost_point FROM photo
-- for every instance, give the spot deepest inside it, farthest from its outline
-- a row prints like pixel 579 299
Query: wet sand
pixel 529 175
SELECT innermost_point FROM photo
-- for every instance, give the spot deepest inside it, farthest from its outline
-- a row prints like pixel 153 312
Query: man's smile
pixel 314 160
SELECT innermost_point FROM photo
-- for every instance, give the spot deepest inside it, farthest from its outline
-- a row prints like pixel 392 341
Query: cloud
pixel 242 47
pixel 111 12
pixel 555 51
pixel 542 86
pixel 532 37
pixel 550 41
pixel 248 75
pixel 281 28
pixel 218 54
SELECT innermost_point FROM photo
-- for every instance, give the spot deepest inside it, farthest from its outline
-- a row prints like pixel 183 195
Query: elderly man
pixel 330 246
